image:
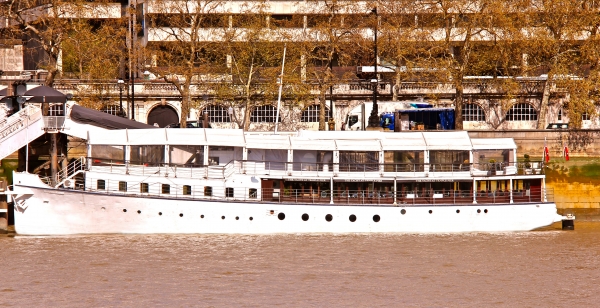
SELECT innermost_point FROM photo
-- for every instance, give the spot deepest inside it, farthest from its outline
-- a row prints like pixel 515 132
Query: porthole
pixel 485 211
pixel 159 213
pixel 281 216
pixel 457 211
pixel 328 217
pixel 403 211
pixel 478 211
pixel 124 210
pixel 222 217
pixel 305 217
pixel 180 214
pixel 202 216
pixel 139 212
pixel 352 218
pixel 430 212
pixel 251 218
pixel 237 217
pixel 376 218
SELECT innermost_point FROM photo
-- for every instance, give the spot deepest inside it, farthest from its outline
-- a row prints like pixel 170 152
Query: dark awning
pixel 3 92
pixel 101 119
pixel 44 94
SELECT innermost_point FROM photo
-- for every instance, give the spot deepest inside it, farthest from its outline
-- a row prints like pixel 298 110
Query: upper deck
pixel 208 153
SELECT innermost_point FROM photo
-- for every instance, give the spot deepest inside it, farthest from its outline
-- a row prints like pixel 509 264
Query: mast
pixel 280 88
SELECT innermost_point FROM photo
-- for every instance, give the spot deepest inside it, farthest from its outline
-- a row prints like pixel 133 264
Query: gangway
pixel 19 129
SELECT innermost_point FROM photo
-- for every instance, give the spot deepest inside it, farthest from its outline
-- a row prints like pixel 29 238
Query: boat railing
pixel 145 168
pixel 416 197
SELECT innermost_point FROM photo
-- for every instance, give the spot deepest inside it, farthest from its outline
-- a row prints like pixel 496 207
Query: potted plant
pixel 527 162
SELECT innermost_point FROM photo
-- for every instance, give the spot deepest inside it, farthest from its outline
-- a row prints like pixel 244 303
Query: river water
pixel 548 268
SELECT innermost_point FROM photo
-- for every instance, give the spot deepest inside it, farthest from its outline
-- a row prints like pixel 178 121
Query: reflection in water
pixel 541 268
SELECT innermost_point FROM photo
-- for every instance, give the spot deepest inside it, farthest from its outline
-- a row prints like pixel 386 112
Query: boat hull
pixel 48 211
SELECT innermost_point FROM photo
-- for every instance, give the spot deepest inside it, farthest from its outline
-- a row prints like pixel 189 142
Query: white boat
pixel 230 181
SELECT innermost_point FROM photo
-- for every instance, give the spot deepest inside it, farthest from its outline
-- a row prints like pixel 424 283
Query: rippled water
pixel 549 268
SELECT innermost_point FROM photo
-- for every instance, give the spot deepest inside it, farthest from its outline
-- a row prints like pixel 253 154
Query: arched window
pixel 216 114
pixel 265 113
pixel 311 114
pixel 521 112
pixel 585 116
pixel 473 112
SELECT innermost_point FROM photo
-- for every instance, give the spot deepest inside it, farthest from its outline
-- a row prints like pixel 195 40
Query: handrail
pixel 323 196
pixel 15 122
pixel 320 169
pixel 73 168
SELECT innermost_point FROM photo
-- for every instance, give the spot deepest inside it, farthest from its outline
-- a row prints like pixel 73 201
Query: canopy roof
pixel 44 94
pixel 493 144
pixel 102 119
pixel 324 141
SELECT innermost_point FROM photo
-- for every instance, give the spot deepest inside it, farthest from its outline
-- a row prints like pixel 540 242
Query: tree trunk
pixel 247 110
pixel 185 104
pixel 541 124
pixel 322 105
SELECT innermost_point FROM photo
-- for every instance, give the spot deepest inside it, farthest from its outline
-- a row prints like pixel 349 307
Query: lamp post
pixel 121 83
pixel 132 60
pixel 374 117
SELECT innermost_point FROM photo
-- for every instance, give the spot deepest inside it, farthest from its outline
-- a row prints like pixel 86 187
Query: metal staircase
pixel 19 129
pixel 68 176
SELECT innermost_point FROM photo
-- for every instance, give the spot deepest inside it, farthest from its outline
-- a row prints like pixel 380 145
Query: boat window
pixel 166 188
pixel 148 155
pixel 186 155
pixel 144 187
pixel 207 191
pixel 122 186
pixel 229 192
pixel 483 159
pixel 187 190
pixel 107 154
pixel 449 160
pixel 359 161
pixel 312 160
pixel 252 193
pixel 101 185
pixel 403 161
pixel 223 154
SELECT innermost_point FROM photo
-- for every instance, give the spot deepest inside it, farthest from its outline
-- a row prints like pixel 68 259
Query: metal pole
pixel 132 62
pixel 374 117
pixel 27 145
pixel 280 88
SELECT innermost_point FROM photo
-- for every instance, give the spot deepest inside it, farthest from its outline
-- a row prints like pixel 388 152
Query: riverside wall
pixel 581 142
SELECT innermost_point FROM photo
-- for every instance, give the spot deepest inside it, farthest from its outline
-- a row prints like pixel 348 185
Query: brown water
pixel 549 268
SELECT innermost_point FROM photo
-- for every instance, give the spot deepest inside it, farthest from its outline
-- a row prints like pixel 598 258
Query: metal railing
pixel 70 170
pixel 419 197
pixel 314 169
pixel 19 120
pixel 54 123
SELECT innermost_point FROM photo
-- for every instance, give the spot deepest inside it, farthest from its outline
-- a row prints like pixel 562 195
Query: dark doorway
pixel 267 190
pixel 163 116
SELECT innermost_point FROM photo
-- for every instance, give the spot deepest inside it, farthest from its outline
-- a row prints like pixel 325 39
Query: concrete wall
pixel 575 195
pixel 581 143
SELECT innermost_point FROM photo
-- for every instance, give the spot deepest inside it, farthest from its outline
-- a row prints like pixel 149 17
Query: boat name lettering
pixel 435 180
pixel 308 180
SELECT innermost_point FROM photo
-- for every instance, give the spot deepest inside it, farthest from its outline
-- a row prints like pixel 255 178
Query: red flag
pixel 566 153
pixel 546 154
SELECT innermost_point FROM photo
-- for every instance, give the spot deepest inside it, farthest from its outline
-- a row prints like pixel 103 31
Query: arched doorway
pixel 163 116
